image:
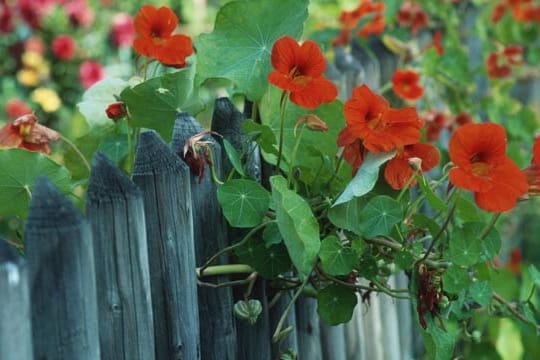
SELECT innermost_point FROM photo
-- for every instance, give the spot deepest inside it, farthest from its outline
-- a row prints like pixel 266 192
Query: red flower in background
pixel 299 70
pixel 398 170
pixel 26 133
pixel 497 66
pixel 80 15
pixel 154 28
pixel 413 16
pixel 6 18
pixel 123 31
pixel 63 47
pixel 370 118
pixel 437 43
pixel 349 20
pixel 479 153
pixel 90 72
pixel 513 54
pixel 373 27
pixel 16 108
pixel 116 111
pixel 405 84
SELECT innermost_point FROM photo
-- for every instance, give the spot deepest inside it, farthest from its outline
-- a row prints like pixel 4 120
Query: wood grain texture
pixel 165 182
pixel 62 280
pixel 307 329
pixel 333 342
pixel 217 327
pixel 115 211
pixel 15 321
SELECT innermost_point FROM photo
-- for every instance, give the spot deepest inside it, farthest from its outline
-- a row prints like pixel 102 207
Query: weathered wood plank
pixel 62 280
pixel 290 341
pixel 216 323
pixel 370 64
pixel 165 182
pixel 333 342
pixel 307 327
pixel 115 211
pixel 15 322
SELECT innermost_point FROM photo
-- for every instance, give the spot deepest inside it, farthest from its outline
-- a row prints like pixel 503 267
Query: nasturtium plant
pixel 244 202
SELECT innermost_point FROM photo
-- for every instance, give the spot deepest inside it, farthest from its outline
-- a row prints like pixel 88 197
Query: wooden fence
pixel 120 283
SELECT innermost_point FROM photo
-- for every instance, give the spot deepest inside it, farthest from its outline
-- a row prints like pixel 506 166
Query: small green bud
pixel 248 310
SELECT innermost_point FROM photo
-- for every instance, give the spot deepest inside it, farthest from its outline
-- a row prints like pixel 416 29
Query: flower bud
pixel 312 121
pixel 116 111
pixel 248 310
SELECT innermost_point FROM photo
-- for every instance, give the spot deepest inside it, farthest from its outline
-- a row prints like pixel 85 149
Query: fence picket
pixel 15 324
pixel 115 211
pixel 164 181
pixel 216 322
pixel 307 329
pixel 62 280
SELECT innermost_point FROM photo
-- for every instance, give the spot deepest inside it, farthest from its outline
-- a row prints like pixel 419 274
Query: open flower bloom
pixel 479 153
pixel 405 84
pixel 370 118
pixel 299 70
pixel 349 20
pixel 412 15
pixel 26 133
pixel 353 151
pixel 154 28
pixel 398 170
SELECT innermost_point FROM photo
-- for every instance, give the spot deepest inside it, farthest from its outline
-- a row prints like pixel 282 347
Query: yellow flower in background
pixel 28 77
pixel 35 69
pixel 46 98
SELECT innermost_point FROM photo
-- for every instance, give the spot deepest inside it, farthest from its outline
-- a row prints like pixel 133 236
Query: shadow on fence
pixel 120 283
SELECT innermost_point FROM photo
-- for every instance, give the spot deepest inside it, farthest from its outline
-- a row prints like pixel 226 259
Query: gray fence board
pixel 115 211
pixel 164 180
pixel 62 279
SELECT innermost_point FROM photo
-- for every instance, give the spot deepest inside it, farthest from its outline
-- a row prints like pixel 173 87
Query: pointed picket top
pixel 154 156
pixel 227 121
pixel 185 126
pixel 49 208
pixel 108 181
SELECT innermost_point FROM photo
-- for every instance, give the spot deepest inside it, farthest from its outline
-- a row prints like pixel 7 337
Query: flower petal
pixel 318 91
pixel 285 54
pixel 310 59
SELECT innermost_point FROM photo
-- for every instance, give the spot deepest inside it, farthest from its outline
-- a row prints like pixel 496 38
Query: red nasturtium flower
pixel 406 84
pixel 154 28
pixel 497 66
pixel 370 118
pixel 353 150
pixel 299 70
pixel 412 15
pixel 64 47
pixel 398 170
pixel 479 153
pixel 116 110
pixel 26 133
pixel 349 20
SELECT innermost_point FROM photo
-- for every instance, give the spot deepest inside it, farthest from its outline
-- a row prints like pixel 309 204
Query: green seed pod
pixel 248 310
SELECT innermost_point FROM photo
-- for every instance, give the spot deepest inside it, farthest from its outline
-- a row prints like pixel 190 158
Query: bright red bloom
pixel 299 70
pixel 26 133
pixel 513 54
pixel 398 170
pixel 463 119
pixel 90 72
pixel 413 16
pixel 370 118
pixel 123 31
pixel 154 28
pixel 498 12
pixel 64 47
pixel 497 66
pixel 16 108
pixel 479 153
pixel 349 20
pixel 405 84
pixel 353 152
pixel 373 27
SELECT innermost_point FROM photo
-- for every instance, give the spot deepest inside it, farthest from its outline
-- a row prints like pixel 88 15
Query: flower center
pixel 296 75
pixel 376 122
pixel 479 167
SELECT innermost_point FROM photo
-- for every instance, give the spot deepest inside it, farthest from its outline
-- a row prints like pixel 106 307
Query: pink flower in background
pixel 63 47
pixel 79 13
pixel 32 11
pixel 90 72
pixel 34 44
pixel 123 31
pixel 6 18
pixel 16 108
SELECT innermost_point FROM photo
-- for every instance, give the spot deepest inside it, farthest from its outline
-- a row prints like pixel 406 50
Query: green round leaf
pixel 465 244
pixel 336 303
pixel 96 99
pixel 244 32
pixel 335 258
pixel 298 226
pixel 480 291
pixel 346 216
pixel 19 169
pixel 271 235
pixel 379 215
pixel 244 202
pixel 268 261
pixel 455 279
pixel 367 267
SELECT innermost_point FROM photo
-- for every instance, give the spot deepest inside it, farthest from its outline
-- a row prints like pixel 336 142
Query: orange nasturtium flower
pixel 406 86
pixel 299 70
pixel 398 170
pixel 479 153
pixel 154 28
pixel 26 133
pixel 370 118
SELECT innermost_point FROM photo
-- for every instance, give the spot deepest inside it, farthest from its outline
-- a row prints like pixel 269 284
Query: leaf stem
pixel 225 270
pixel 513 310
pixel 293 155
pixel 77 151
pixel 234 246
pixel 282 105
pixel 489 226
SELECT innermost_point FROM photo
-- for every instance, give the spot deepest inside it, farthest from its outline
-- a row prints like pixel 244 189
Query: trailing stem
pixel 282 105
pixel 77 151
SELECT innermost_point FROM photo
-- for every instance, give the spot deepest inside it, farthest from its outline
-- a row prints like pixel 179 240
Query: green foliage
pixel 269 261
pixel 243 36
pixel 19 169
pixel 379 215
pixel 336 259
pixel 234 157
pixel 297 225
pixel 465 244
pixel 244 202
pixel 154 103
pixel 336 303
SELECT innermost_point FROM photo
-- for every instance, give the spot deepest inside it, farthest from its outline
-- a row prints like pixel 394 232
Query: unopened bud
pixel 415 163
pixel 116 111
pixel 312 121
pixel 248 310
